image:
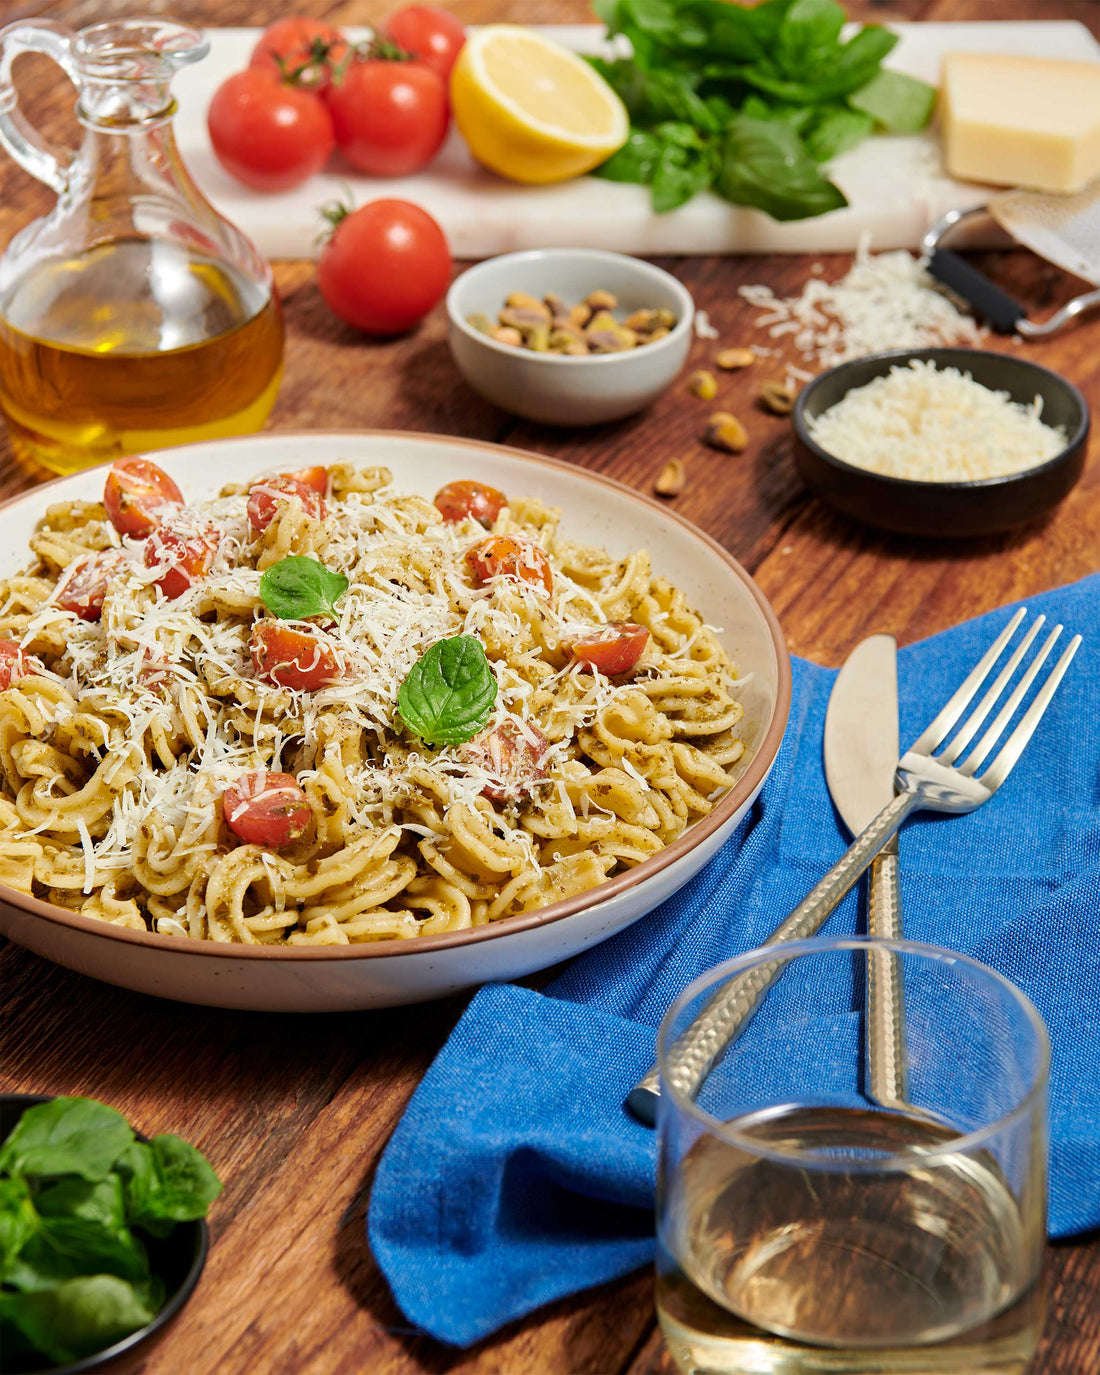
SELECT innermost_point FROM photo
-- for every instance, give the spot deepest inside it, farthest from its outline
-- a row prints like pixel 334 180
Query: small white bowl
pixel 551 387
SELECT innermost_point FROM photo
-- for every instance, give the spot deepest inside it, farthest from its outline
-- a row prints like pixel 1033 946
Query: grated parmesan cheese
pixel 886 301
pixel 921 423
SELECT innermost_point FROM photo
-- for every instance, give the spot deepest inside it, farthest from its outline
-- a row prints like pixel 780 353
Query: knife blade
pixel 861 732
pixel 861 754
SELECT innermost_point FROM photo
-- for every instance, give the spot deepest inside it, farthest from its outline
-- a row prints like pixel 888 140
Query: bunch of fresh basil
pixel 749 101
pixel 76 1191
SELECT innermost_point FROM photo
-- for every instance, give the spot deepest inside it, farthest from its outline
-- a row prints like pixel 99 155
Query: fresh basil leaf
pixel 79 1317
pixel 66 1136
pixel 635 161
pixel 99 1201
pixel 64 1247
pixel 833 130
pixel 852 66
pixel 170 1181
pixel 298 587
pixel 680 173
pixel 899 103
pixel 808 36
pixel 740 33
pixel 18 1221
pixel 449 692
pixel 764 165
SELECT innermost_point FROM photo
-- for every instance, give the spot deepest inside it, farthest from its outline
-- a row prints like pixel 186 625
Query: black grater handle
pixel 993 304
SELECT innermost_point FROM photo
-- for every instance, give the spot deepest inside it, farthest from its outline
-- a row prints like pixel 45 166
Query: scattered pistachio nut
pixel 670 480
pixel 551 325
pixel 777 398
pixel 731 359
pixel 724 431
pixel 703 385
pixel 601 300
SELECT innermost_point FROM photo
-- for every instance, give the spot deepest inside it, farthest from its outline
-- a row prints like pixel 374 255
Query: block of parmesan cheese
pixel 1021 121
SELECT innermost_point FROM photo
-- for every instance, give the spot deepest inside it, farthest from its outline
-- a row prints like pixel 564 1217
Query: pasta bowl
pixel 388 972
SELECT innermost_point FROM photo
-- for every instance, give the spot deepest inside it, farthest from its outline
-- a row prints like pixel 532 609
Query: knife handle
pixel 732 1006
pixel 887 1073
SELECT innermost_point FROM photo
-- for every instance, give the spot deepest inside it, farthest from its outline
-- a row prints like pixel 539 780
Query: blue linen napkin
pixel 516 1176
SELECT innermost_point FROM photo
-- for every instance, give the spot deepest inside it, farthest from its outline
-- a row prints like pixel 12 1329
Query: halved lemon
pixel 531 109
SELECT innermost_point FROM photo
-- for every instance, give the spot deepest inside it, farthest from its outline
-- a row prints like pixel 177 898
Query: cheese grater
pixel 1063 229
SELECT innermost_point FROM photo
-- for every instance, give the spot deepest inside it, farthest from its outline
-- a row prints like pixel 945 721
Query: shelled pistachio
pixel 552 325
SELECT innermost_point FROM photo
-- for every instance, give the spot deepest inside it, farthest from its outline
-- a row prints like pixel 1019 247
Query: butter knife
pixel 861 754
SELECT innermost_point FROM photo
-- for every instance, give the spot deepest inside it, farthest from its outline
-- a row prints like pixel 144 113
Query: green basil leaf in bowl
pixel 102 1237
pixel 449 692
pixel 298 587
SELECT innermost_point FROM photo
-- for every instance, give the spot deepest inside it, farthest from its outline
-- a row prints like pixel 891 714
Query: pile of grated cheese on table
pixel 886 301
pixel 935 425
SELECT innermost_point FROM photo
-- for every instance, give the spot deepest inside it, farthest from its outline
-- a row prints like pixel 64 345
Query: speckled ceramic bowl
pixel 384 973
pixel 551 387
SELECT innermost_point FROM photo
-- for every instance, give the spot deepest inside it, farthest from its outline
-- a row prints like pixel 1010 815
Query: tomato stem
pixel 318 58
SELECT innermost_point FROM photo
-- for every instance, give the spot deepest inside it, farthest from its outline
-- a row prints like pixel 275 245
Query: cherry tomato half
pixel 610 649
pixel 266 809
pixel 458 500
pixel 85 584
pixel 182 555
pixel 385 266
pixel 514 754
pixel 268 133
pixel 305 49
pixel 291 658
pixel 317 478
pixel 435 36
pixel 139 496
pixel 510 556
pixel 266 496
pixel 390 116
pixel 14 664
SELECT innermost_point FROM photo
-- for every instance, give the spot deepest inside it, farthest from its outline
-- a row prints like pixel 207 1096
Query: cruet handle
pixel 47 161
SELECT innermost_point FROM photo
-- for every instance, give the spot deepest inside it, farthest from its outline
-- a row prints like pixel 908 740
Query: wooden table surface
pixel 293 1112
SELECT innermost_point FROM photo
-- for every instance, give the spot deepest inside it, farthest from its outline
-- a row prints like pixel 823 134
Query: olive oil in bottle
pixel 131 345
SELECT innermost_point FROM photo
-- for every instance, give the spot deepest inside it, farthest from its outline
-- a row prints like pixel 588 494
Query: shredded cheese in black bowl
pixel 941 442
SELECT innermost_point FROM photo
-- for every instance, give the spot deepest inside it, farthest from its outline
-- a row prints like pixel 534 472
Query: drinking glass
pixel 804 1228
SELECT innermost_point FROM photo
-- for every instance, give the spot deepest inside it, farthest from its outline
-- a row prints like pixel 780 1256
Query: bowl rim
pixel 958 357
pixel 642 266
pixel 172 1305
pixel 764 756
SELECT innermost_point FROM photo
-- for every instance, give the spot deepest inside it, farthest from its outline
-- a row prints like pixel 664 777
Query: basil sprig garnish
pixel 297 587
pixel 449 692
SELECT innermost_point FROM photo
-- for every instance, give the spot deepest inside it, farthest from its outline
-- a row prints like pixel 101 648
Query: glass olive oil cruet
pixel 132 316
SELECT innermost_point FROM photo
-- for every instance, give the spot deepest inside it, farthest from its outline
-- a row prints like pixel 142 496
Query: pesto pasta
pixel 192 744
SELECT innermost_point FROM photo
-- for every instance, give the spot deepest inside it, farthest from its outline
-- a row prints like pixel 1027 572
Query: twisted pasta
pixel 122 727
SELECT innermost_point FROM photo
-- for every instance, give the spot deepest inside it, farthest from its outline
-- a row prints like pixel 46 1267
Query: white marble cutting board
pixel 895 185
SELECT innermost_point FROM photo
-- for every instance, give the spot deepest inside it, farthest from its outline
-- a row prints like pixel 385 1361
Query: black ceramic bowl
pixel 945 508
pixel 177 1258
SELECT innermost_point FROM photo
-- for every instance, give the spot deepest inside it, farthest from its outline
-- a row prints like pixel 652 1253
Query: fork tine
pixel 985 706
pixel 936 733
pixel 977 756
pixel 999 770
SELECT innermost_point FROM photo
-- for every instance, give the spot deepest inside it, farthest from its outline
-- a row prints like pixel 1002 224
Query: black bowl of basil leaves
pixel 102 1234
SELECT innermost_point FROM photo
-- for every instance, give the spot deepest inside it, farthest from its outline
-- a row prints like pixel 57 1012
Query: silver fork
pixel 924 780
